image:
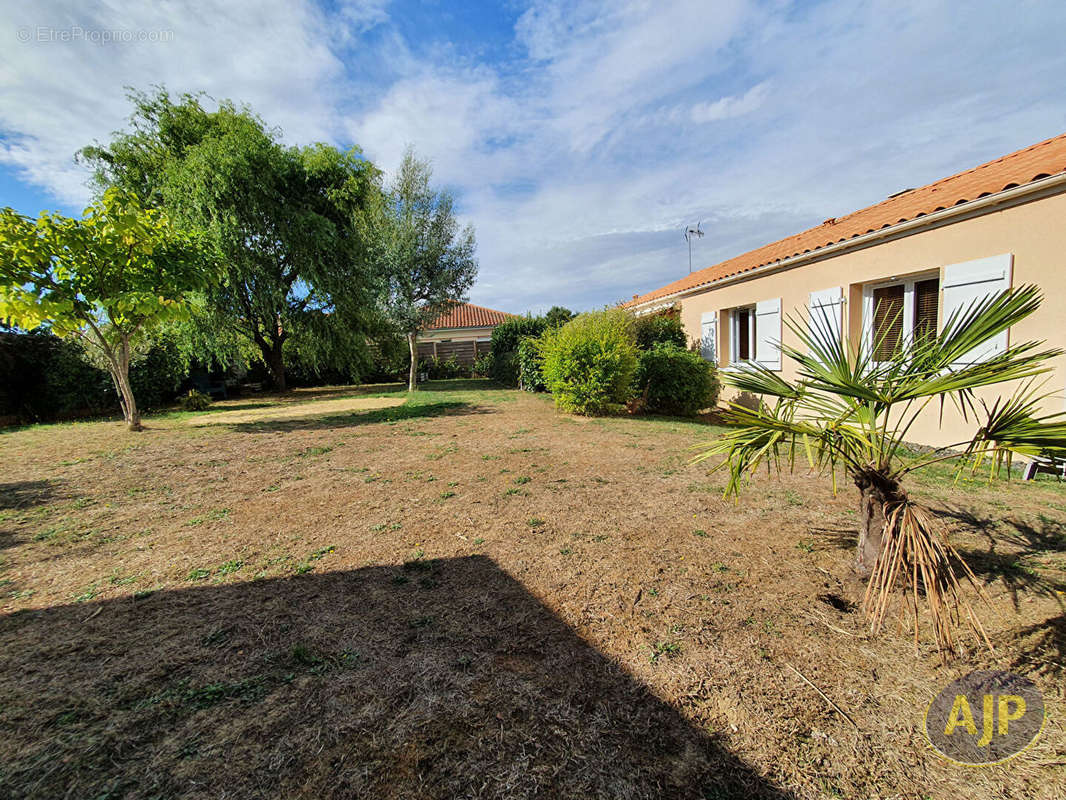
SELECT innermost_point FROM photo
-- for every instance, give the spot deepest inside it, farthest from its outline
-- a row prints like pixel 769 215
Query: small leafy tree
pixel 427 262
pixel 107 279
pixel 851 411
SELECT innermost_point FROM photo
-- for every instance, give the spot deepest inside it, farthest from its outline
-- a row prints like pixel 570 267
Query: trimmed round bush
pixel 675 381
pixel 589 362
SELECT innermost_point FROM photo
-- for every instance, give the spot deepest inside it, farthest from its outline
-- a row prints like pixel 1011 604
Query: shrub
pixel 590 361
pixel 443 368
pixel 195 401
pixel 530 363
pixel 659 329
pixel 482 366
pixel 505 339
pixel 675 381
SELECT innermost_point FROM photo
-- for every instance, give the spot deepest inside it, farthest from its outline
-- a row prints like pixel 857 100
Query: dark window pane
pixel 926 306
pixel 743 335
pixel 888 322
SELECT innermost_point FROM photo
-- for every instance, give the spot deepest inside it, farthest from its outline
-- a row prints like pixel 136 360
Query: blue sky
pixel 580 138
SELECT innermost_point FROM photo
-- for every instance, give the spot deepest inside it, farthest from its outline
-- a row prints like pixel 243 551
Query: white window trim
pixel 907 282
pixel 734 344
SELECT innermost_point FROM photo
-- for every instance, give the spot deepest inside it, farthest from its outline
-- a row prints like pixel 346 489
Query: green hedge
pixel 505 339
pixel 530 365
pixel 671 380
pixel 589 362
pixel 656 329
pixel 44 378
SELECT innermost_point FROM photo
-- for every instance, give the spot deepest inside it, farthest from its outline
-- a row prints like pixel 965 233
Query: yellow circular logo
pixel 985 718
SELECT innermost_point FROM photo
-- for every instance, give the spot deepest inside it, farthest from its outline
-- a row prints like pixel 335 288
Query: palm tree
pixel 851 411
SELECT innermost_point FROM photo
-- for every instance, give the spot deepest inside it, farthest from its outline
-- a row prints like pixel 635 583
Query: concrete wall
pixel 1035 233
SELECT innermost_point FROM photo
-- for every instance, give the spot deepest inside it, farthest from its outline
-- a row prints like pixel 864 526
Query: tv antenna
pixel 691 233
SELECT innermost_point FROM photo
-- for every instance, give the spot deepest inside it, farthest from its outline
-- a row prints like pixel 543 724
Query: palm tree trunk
pixel 874 491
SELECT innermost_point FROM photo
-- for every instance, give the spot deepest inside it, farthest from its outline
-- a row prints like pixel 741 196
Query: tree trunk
pixel 120 374
pixel 874 490
pixel 276 364
pixel 412 376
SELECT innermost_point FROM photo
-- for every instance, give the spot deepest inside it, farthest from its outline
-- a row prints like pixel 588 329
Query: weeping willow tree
pixel 849 412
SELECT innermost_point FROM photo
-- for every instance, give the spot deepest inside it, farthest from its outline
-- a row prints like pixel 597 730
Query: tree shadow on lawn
pixel 1017 566
pixel 437 679
pixel 350 419
pixel 20 495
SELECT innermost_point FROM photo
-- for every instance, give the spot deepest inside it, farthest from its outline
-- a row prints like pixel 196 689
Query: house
pixel 906 263
pixel 464 331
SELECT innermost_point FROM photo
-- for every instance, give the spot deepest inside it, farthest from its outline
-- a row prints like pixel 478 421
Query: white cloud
pixel 729 107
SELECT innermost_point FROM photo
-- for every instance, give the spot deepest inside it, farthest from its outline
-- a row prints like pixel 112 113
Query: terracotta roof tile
pixel 467 315
pixel 1040 160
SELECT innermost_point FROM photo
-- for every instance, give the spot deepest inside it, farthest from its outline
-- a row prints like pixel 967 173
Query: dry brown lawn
pixel 470 595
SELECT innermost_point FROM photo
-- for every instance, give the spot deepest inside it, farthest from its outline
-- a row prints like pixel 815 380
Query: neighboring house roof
pixel 1040 160
pixel 467 315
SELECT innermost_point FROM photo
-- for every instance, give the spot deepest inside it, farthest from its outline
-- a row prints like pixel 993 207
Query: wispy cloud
pixel 591 133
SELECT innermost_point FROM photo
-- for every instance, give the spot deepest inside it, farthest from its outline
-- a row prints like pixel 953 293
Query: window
pixel 743 338
pixel 755 334
pixel 898 313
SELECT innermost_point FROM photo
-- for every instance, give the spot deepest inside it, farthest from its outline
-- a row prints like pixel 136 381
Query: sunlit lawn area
pixel 463 593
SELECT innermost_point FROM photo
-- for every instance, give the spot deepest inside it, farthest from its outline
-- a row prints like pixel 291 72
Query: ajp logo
pixel 985 718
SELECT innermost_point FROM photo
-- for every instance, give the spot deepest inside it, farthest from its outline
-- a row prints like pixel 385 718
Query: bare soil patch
pixel 470 595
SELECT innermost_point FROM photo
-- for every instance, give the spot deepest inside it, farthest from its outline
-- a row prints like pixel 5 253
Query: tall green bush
pixel 589 363
pixel 505 339
pixel 671 380
pixel 530 365
pixel 654 329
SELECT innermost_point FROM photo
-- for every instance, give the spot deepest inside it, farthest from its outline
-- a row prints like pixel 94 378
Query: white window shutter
pixel 970 282
pixel 709 336
pixel 826 312
pixel 768 333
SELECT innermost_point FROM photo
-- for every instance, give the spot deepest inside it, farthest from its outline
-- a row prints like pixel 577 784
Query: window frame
pixel 908 283
pixel 734 341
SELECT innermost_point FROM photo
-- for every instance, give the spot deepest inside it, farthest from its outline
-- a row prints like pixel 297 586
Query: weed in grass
pixel 805 546
pixel 600 537
pixel 303 568
pixel 116 579
pixel 216 515
pixel 718 566
pixel 377 528
pixel 513 491
pixel 668 649
pixel 315 451
pixel 488 457
pixel 792 497
pixel 653 592
pixel 90 592
pixel 272 488
pixel 479 540
pixel 701 533
pixel 371 478
pixel 446 495
pixel 322 552
pixel 565 551
pixel 535 522
pixel 522 479
pixel 198 574
pixel 441 452
pixel 229 567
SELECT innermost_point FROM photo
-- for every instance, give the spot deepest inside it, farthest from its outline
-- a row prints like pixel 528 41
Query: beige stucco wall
pixel 1035 233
